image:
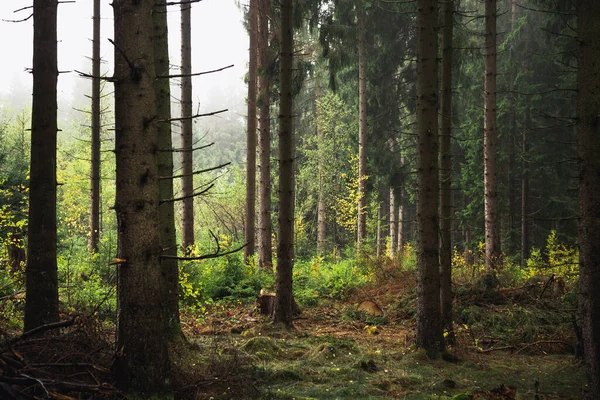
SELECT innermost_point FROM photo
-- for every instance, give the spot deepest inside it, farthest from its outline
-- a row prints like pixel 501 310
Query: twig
pixel 194 173
pixel 543 342
pixel 39 329
pixel 496 349
pixel 194 74
pixel 194 116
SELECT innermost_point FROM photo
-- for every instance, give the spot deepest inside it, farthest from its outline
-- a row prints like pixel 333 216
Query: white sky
pixel 218 39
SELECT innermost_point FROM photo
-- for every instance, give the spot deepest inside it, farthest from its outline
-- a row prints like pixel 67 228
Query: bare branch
pixel 193 116
pixel 195 74
pixel 195 172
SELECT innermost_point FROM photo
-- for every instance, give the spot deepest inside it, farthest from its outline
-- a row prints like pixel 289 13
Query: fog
pixel 218 39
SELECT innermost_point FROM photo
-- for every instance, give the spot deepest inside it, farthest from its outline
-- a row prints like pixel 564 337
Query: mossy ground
pixel 334 352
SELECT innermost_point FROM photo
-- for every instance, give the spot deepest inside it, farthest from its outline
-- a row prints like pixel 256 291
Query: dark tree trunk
pixel 362 128
pixel 141 360
pixel 429 327
pixel 41 304
pixel 511 249
pixel 187 131
pixel 285 244
pixel 95 166
pixel 446 214
pixel 251 134
pixel 490 141
pixel 265 81
pixel 168 234
pixel 525 191
pixel 588 149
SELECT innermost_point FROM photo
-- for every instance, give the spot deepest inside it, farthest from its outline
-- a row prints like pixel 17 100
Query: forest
pixel 402 202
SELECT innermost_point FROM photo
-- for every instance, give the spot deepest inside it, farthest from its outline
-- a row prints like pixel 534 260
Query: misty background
pixel 219 39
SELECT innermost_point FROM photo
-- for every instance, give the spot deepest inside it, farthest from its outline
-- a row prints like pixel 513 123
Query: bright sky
pixel 218 39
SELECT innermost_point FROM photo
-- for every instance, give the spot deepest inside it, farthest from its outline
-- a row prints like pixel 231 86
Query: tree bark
pixel 429 327
pixel 265 81
pixel 285 244
pixel 187 132
pixel 41 304
pixel 362 128
pixel 446 214
pixel 525 190
pixel 168 234
pixel 95 166
pixel 490 141
pixel 393 222
pixel 141 360
pixel 251 134
pixel 588 148
pixel 321 208
pixel 512 202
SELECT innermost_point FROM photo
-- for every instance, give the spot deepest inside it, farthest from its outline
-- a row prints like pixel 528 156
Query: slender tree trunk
pixel 379 216
pixel 393 222
pixel 512 202
pixel 251 134
pixel 589 185
pixel 446 214
pixel 187 132
pixel 429 327
pixel 321 220
pixel 525 191
pixel 492 231
pixel 265 252
pixel 285 244
pixel 141 361
pixel 168 234
pixel 362 128
pixel 95 167
pixel 400 245
pixel 41 304
pixel 588 149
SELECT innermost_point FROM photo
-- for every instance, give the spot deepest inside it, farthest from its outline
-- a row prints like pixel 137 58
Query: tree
pixel 265 81
pixel 187 132
pixel 362 128
pixel 95 167
pixel 490 140
pixel 285 244
pixel 447 23
pixel 588 148
pixel 168 234
pixel 429 327
pixel 141 361
pixel 41 304
pixel 251 133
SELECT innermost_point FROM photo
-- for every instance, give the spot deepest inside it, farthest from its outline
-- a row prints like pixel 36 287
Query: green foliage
pixel 556 259
pixel 319 278
pixel 223 278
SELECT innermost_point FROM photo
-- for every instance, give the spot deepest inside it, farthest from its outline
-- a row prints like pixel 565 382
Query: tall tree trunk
pixel 490 141
pixel 588 148
pixel 446 168
pixel 168 234
pixel 400 245
pixel 141 361
pixel 393 222
pixel 187 131
pixel 321 220
pixel 362 128
pixel 285 244
pixel 41 304
pixel 429 327
pixel 265 61
pixel 379 216
pixel 512 202
pixel 95 166
pixel 525 191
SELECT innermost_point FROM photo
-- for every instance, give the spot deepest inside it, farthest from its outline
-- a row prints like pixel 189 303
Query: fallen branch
pixel 496 349
pixel 544 342
pixel 39 329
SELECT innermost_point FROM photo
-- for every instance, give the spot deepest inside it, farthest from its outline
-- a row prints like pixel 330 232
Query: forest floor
pixel 513 344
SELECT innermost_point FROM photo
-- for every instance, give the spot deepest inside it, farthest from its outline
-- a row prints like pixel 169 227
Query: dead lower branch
pixel 194 116
pixel 194 74
pixel 195 172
